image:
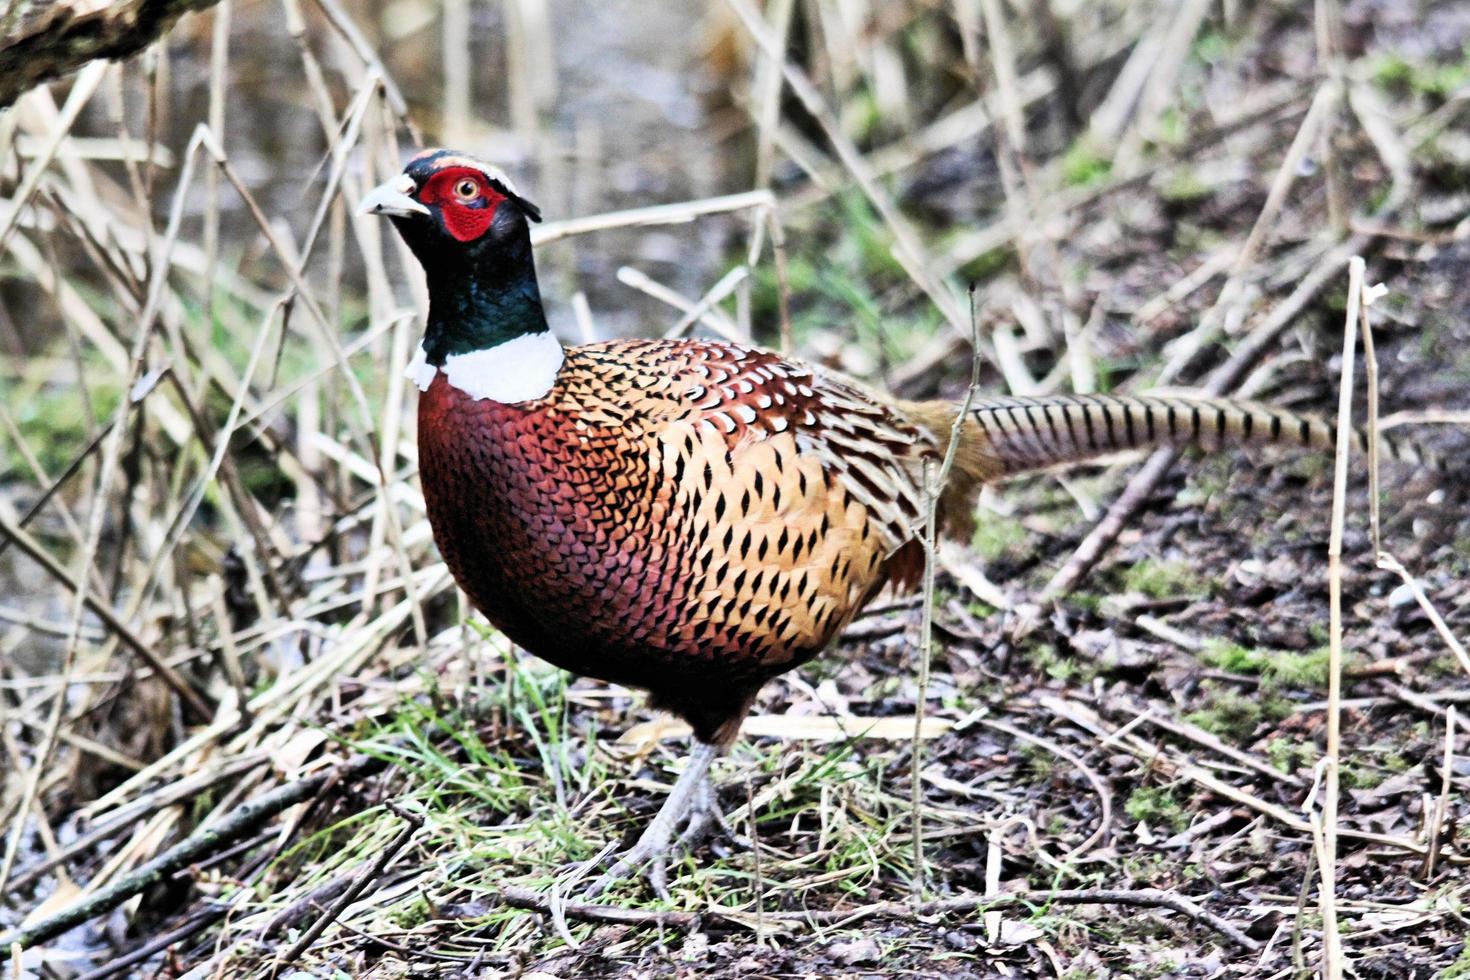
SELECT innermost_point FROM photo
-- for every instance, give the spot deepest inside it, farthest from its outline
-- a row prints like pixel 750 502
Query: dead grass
pixel 219 583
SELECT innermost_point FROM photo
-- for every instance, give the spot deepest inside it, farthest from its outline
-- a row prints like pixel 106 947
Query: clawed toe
pixel 705 820
pixel 650 860
pixel 691 804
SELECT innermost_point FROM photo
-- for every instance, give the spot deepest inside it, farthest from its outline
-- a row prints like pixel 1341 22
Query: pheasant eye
pixel 467 189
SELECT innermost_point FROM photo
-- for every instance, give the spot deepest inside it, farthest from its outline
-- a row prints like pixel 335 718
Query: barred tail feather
pixel 1021 434
pixel 1008 436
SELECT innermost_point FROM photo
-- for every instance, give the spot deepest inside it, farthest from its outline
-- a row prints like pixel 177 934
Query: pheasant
pixel 694 517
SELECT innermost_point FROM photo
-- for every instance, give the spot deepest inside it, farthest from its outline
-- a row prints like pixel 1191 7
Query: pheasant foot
pixel 691 806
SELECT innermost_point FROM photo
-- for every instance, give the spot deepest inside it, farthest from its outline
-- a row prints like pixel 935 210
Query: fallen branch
pixel 412 823
pixel 1228 376
pixel 43 39
pixel 200 844
pixel 525 898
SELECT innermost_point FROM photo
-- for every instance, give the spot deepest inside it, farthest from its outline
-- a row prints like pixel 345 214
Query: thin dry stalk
pixel 1327 16
pixel 712 316
pixel 1161 89
pixel 1184 349
pixel 658 214
pixel 848 918
pixel 219 56
pixel 758 872
pixel 455 30
pixel 932 490
pixel 716 294
pixel 1388 562
pixel 1332 953
pixel 81 93
pixel 766 91
pixel 1442 803
pixel 934 484
pixel 783 279
pixel 908 248
pixel 412 823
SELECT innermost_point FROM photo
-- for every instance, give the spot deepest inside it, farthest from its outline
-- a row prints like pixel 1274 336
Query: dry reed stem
pixel 1161 88
pixel 766 86
pixel 412 823
pixel 712 316
pixel 1223 379
pixel 1437 813
pixel 82 90
pixel 899 911
pixel 908 249
pixel 1169 763
pixel 715 295
pixel 111 453
pixel 1183 350
pixel 933 485
pixel 677 213
pixel 1332 953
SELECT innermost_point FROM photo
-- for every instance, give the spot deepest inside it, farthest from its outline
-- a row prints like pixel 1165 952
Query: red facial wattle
pixel 466 218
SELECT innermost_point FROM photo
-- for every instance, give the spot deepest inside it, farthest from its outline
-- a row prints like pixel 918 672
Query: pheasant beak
pixel 392 199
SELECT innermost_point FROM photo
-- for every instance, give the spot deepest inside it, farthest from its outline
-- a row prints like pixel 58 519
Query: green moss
pixel 1211 47
pixel 980 610
pixel 1355 776
pixel 413 913
pixel 53 421
pixel 1460 969
pixel 988 264
pixel 1289 756
pixel 1232 657
pixel 1089 601
pixel 1396 74
pixel 1055 663
pixel 1185 187
pixel 1392 72
pixel 1228 713
pixel 1297 670
pixel 1083 165
pixel 1158 806
pixel 1172 127
pixel 996 535
pixel 1159 579
pixel 1278 669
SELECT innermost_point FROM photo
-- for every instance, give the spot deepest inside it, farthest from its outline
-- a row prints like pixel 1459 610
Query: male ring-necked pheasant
pixel 692 517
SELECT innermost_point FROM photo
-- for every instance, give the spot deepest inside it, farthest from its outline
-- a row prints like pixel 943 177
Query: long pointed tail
pixel 1011 435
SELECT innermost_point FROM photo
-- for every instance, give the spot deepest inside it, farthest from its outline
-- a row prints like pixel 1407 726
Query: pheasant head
pixel 470 230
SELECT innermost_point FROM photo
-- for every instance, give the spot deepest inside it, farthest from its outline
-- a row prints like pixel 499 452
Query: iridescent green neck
pixel 486 299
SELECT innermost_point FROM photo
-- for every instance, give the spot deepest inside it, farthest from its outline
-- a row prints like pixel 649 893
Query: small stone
pixel 1401 596
pixel 855 951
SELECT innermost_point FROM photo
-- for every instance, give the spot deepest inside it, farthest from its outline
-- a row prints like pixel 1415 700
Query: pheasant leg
pixel 690 804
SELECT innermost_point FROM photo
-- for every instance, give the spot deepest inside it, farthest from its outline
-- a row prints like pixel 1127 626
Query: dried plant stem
pixel 908 249
pixel 1229 375
pixel 933 491
pixel 766 91
pixel 1183 350
pixel 658 214
pixel 202 843
pixel 783 278
pixel 1442 802
pixel 81 93
pixel 218 88
pixel 524 898
pixel 1332 954
pixel 412 823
